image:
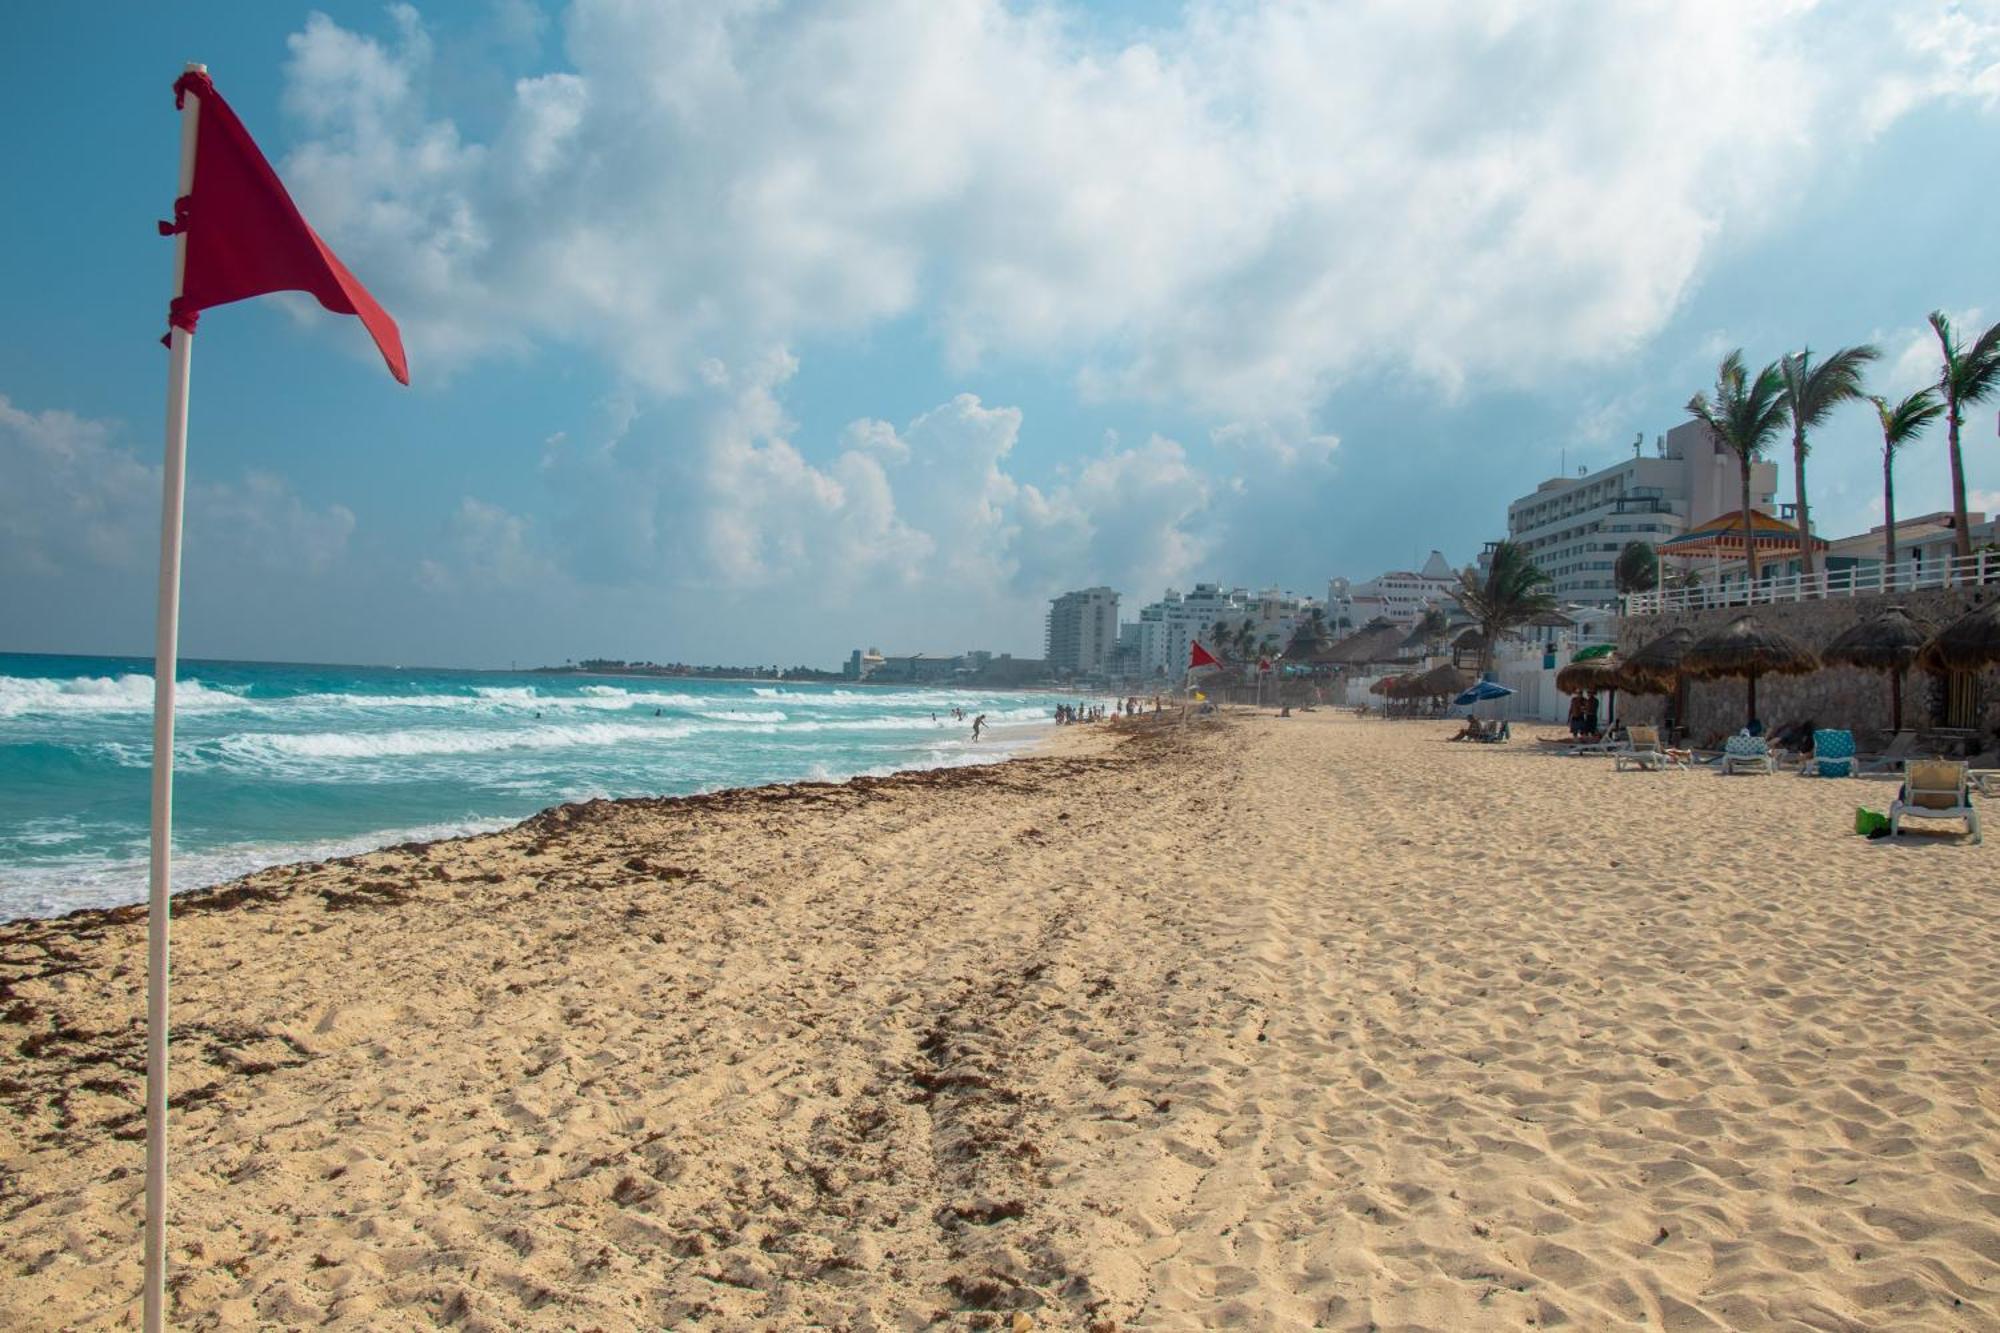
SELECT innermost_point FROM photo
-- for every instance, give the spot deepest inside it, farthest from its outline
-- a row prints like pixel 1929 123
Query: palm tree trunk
pixel 1888 518
pixel 1805 522
pixel 1961 535
pixel 1749 534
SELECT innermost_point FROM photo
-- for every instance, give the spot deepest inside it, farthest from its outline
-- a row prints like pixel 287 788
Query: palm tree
pixel 1638 568
pixel 1970 375
pixel 1433 625
pixel 1246 637
pixel 1745 414
pixel 1900 424
pixel 1811 394
pixel 1309 636
pixel 1218 636
pixel 1511 592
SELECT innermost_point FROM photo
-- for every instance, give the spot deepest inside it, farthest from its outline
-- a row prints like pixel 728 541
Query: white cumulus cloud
pixel 1234 212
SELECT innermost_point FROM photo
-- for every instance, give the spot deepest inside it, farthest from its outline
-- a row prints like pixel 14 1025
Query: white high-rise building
pixel 1082 631
pixel 1401 595
pixel 1574 527
pixel 1167 627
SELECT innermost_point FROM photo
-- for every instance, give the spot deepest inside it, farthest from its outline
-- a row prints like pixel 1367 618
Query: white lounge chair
pixel 1934 789
pixel 1644 751
pixel 1746 754
pixel 1901 746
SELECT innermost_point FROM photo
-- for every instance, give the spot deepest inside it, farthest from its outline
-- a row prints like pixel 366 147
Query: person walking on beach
pixel 978 724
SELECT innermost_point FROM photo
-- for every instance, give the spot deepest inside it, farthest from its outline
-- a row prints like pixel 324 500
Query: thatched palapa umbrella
pixel 1747 649
pixel 1656 669
pixel 1592 675
pixel 1966 644
pixel 1440 682
pixel 1887 641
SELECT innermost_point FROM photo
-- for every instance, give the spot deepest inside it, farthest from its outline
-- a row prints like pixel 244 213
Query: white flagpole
pixel 166 653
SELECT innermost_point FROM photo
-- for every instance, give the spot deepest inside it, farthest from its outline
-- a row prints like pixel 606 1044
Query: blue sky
pixel 758 332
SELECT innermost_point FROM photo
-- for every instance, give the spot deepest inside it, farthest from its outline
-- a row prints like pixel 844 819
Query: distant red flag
pixel 1199 656
pixel 245 236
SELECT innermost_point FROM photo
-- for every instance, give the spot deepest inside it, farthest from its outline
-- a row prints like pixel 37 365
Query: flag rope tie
pixel 193 79
pixel 183 207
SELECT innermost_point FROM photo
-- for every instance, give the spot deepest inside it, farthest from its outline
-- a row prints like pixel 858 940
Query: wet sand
pixel 1265 1023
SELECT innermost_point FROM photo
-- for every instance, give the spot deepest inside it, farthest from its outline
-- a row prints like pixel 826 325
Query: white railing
pixel 1958 571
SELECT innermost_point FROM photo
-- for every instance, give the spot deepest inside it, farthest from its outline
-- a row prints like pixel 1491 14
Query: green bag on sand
pixel 1870 823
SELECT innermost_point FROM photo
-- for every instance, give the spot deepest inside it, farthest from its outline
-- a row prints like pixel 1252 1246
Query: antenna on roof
pixel 1638 442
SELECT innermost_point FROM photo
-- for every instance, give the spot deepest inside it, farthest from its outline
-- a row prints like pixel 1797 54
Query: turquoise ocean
pixel 286 762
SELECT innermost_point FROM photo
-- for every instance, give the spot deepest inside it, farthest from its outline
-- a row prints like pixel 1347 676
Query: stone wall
pixel 1832 696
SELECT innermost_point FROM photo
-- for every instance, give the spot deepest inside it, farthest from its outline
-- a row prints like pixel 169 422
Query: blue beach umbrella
pixel 1481 691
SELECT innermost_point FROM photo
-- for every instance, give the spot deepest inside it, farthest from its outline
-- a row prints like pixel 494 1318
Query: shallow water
pixel 283 762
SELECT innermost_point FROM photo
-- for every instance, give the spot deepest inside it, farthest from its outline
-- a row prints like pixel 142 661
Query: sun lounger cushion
pixel 1833 753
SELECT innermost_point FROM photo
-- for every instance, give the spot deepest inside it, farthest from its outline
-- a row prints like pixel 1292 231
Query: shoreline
pixel 1251 1021
pixel 1039 735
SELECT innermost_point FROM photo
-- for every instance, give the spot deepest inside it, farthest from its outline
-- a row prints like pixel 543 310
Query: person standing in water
pixel 978 725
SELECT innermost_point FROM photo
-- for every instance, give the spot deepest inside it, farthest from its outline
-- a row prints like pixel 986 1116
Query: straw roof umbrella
pixel 1747 649
pixel 1966 644
pixel 1440 682
pixel 1656 668
pixel 1590 676
pixel 1888 641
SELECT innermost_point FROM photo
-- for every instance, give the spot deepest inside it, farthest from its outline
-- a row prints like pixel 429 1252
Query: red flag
pixel 245 236
pixel 1199 656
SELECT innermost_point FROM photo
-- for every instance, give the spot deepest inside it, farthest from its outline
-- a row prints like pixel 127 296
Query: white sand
pixel 1276 1024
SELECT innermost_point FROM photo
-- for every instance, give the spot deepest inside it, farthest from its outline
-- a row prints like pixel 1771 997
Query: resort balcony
pixel 1981 567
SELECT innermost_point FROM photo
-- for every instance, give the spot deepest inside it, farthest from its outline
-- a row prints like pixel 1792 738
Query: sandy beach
pixel 1261 1023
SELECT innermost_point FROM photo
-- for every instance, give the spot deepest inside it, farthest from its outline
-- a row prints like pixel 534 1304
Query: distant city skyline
pixel 748 332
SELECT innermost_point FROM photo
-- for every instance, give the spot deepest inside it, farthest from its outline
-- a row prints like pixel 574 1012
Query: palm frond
pixel 1812 392
pixel 1979 375
pixel 1906 420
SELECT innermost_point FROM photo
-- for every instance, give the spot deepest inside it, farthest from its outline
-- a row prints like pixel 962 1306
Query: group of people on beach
pixel 958 715
pixel 1130 706
pixel 1583 715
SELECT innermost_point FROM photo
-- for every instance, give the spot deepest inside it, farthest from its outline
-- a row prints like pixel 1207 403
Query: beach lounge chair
pixel 1644 751
pixel 1500 731
pixel 1934 789
pixel 1832 755
pixel 1900 747
pixel 1746 754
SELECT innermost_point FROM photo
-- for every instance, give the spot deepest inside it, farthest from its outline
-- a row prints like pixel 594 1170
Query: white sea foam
pixel 23 695
pixel 746 715
pixel 266 746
